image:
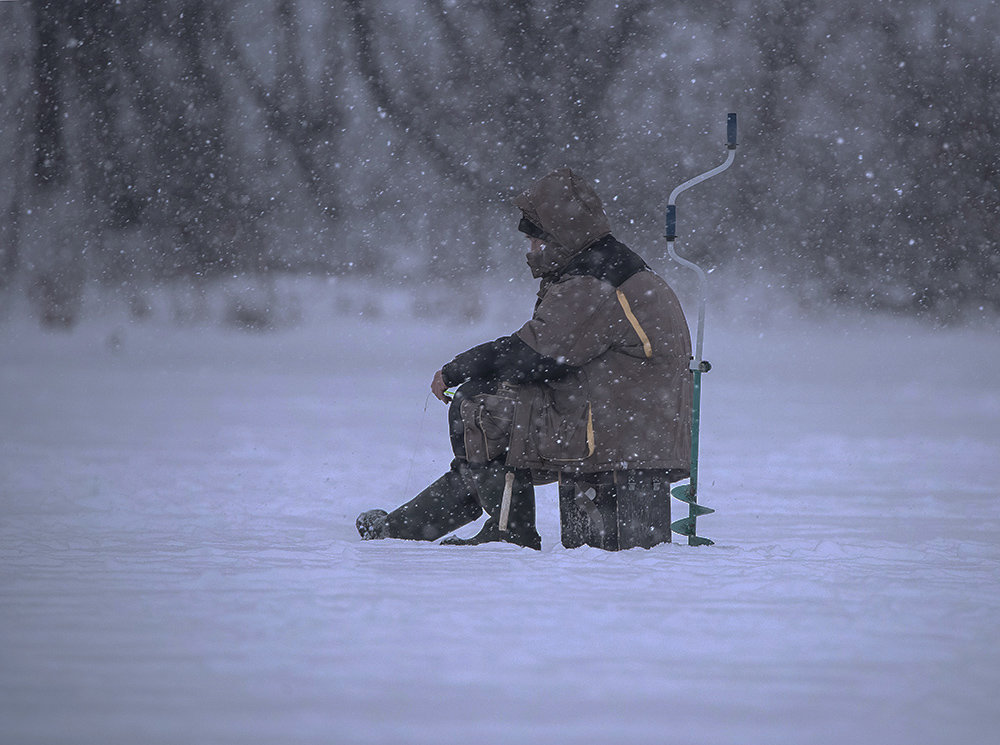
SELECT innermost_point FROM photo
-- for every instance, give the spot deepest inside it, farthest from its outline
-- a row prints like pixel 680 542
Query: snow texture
pixel 180 564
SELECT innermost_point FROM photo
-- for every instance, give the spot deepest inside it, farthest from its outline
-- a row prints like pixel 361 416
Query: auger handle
pixel 731 128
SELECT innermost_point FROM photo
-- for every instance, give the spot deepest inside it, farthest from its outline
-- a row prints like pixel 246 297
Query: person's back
pixel 621 327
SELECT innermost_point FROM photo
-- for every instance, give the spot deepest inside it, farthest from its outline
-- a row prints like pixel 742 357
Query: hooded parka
pixel 601 371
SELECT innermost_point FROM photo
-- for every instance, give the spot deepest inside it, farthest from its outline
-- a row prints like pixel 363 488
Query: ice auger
pixel 689 492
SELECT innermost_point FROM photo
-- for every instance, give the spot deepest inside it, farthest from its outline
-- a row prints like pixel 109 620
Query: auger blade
pixel 682 492
pixel 684 526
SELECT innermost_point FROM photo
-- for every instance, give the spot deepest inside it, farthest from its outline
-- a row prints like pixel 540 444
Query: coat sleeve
pixel 507 358
pixel 571 323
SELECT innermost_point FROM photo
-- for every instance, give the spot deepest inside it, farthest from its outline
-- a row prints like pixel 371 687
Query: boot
pixel 521 531
pixel 371 524
pixel 490 533
pixel 444 506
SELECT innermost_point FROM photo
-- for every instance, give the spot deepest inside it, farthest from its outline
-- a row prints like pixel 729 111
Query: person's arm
pixel 507 358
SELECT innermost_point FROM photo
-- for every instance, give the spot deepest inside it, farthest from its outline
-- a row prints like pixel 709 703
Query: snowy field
pixel 179 564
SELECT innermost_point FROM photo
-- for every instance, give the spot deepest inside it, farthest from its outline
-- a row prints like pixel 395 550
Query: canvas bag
pixel 488 419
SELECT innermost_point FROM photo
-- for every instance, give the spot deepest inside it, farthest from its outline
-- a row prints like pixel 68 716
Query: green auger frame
pixel 688 493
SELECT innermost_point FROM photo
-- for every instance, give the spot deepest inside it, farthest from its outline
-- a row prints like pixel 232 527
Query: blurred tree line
pixel 144 142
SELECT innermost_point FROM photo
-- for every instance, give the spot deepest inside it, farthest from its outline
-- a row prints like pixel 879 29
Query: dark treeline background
pixel 149 142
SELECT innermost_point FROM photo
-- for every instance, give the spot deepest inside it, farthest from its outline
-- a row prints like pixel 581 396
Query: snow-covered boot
pixel 490 481
pixel 371 524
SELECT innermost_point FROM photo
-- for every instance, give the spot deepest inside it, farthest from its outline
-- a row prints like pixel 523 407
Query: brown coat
pixel 628 403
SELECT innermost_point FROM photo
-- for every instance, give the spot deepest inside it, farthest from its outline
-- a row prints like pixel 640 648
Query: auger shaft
pixel 689 492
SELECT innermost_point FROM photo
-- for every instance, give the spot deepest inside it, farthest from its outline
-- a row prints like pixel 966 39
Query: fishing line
pixel 416 445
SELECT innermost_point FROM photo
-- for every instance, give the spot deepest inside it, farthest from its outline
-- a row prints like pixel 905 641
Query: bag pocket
pixel 565 438
pixel 488 420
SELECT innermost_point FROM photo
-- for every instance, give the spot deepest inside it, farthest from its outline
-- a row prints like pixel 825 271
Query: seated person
pixel 597 381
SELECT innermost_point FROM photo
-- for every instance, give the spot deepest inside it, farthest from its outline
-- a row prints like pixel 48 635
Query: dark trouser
pixel 462 494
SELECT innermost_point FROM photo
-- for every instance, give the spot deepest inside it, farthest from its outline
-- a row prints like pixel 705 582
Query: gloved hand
pixel 439 389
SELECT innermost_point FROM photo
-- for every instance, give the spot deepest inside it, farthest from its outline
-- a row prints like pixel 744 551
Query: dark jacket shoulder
pixel 608 260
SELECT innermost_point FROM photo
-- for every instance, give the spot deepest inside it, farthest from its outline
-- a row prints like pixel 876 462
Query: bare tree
pixel 526 78
pixel 493 91
pixel 15 125
pixel 195 137
pixel 302 110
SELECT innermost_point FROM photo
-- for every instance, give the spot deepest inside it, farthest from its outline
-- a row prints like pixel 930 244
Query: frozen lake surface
pixel 180 564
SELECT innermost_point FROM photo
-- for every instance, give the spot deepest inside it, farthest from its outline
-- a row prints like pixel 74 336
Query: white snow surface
pixel 179 563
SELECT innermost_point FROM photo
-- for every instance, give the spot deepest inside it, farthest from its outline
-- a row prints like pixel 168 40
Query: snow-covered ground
pixel 179 564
